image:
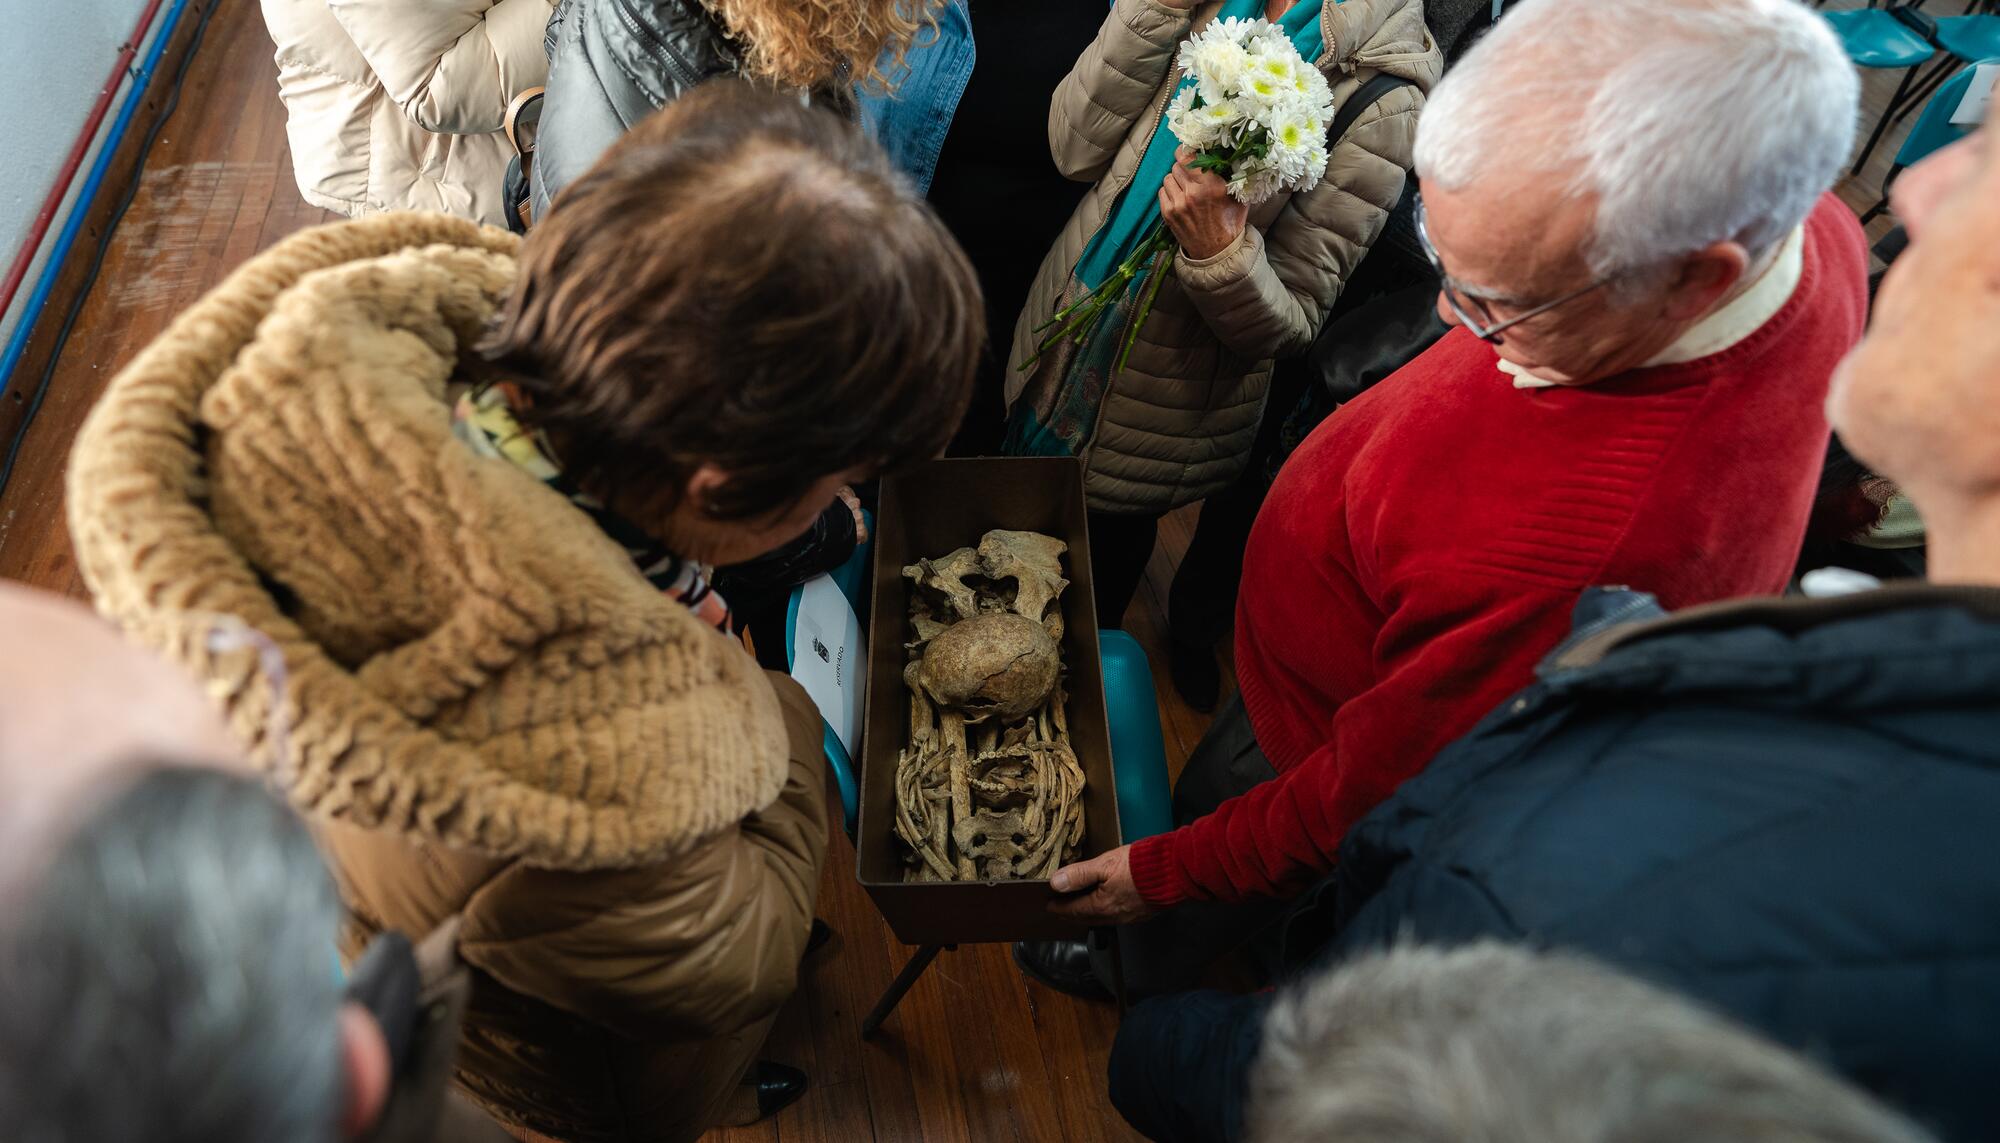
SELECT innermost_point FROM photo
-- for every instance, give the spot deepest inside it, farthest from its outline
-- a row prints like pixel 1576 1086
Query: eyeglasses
pixel 1483 326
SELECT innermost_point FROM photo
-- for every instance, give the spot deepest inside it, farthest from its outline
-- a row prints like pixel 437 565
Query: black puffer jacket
pixel 611 64
pixel 1783 809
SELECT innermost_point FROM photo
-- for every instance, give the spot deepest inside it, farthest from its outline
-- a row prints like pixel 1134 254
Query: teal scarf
pixel 1057 412
pixel 1133 215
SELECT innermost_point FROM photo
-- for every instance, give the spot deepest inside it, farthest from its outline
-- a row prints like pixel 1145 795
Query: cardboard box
pixel 928 513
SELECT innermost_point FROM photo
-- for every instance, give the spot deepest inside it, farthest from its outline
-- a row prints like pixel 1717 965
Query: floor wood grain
pixel 976 1053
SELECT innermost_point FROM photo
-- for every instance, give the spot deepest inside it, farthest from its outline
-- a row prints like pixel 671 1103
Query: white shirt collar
pixel 1729 324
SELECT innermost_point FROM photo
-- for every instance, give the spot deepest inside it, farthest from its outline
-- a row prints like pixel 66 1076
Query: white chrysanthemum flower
pixel 1220 67
pixel 1317 93
pixel 1263 96
pixel 1225 119
pixel 1254 180
pixel 1316 160
pixel 1292 140
pixel 1252 85
pixel 1268 38
pixel 1184 119
pixel 1281 67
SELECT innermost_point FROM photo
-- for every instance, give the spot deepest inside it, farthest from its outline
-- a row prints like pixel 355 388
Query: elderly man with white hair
pixel 1780 809
pixel 1651 287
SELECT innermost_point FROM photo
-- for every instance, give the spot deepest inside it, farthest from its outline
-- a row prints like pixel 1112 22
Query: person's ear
pixel 364 1061
pixel 704 485
pixel 1705 278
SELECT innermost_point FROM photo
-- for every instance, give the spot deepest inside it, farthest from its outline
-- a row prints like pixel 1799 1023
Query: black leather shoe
pixel 1062 965
pixel 1197 677
pixel 778 1086
pixel 821 933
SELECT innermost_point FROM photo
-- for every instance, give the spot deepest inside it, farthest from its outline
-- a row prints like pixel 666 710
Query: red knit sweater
pixel 1424 549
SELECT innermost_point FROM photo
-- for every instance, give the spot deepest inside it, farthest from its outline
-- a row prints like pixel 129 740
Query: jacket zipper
pixel 661 52
pixel 1159 116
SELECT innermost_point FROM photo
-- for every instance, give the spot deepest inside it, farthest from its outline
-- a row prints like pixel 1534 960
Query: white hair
pixel 1691 121
pixel 1497 1044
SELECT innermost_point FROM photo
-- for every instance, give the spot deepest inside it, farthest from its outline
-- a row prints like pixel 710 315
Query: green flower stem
pixel 1080 317
pixel 1077 319
pixel 1145 309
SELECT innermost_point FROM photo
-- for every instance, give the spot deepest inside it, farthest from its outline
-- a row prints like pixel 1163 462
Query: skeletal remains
pixel 988 788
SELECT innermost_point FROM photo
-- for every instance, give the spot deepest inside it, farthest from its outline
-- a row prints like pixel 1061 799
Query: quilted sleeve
pixel 1112 85
pixel 1265 295
pixel 451 65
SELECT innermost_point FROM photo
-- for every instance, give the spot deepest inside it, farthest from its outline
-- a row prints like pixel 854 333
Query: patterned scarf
pixel 487 419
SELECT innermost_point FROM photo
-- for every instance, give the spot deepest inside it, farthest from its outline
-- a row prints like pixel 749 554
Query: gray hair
pixel 172 977
pixel 1494 1044
pixel 1692 122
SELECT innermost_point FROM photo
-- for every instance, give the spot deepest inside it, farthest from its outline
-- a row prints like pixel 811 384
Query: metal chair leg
pixel 1909 78
pixel 1926 87
pixel 898 988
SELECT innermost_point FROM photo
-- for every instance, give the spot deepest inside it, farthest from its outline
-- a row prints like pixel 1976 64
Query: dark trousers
pixel 1202 604
pixel 1120 547
pixel 1179 1068
pixel 1172 951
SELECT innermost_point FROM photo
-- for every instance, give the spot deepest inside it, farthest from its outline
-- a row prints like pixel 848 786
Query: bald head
pixel 81 713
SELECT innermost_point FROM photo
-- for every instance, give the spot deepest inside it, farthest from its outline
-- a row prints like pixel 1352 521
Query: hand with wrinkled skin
pixel 1197 207
pixel 1101 890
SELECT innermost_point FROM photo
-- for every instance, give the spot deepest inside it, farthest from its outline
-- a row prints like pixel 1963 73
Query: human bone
pixel 988 787
pixel 999 665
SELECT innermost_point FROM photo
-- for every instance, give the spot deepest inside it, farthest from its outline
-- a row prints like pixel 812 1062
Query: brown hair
pixel 811 43
pixel 744 281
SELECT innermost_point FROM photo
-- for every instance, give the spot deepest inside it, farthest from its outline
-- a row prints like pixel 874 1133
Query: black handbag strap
pixel 1364 97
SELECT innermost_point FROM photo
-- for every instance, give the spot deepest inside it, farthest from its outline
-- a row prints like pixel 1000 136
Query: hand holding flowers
pixel 1252 119
pixel 1198 210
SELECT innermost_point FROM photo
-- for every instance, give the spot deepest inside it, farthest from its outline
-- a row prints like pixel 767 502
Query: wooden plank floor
pixel 976 1053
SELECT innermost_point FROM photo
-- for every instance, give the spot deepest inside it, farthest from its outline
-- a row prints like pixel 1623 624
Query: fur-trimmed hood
pixel 468 661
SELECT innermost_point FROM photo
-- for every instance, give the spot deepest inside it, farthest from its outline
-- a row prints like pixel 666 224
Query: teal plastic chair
pixel 1969 38
pixel 852 579
pixel 1138 750
pixel 1933 131
pixel 1966 39
pixel 1883 39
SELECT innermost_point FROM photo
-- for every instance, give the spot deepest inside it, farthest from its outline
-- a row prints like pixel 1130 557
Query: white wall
pixel 54 58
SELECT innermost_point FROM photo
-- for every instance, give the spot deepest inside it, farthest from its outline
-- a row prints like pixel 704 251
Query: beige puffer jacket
pixel 395 105
pixel 1178 423
pixel 488 712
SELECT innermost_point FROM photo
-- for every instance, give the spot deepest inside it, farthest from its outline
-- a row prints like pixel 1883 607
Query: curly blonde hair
pixel 806 43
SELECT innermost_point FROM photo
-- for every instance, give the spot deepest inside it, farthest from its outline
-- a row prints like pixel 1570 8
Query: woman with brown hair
pixel 612 62
pixel 505 693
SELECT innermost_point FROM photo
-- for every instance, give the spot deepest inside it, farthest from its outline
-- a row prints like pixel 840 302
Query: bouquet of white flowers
pixel 1255 113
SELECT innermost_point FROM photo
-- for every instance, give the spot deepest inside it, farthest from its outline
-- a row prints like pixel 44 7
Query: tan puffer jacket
pixel 394 105
pixel 1178 423
pixel 487 712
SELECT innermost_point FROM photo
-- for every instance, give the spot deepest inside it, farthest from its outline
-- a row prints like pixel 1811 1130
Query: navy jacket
pixel 1787 810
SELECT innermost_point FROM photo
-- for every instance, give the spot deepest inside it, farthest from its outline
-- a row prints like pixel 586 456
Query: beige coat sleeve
pixel 703 946
pixel 1112 85
pixel 451 65
pixel 1266 294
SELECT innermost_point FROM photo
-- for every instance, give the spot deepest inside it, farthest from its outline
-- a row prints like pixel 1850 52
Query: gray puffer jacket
pixel 611 64
pixel 614 62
